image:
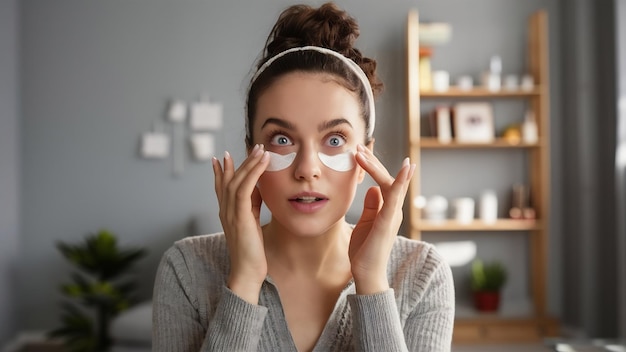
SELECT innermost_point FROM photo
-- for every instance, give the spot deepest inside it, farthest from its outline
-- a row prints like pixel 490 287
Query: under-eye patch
pixel 279 162
pixel 339 162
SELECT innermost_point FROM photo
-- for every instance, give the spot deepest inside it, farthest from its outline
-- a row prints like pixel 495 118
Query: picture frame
pixel 473 122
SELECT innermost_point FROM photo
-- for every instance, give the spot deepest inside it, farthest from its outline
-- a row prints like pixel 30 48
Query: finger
pixel 244 182
pixel 395 195
pixel 230 185
pixel 229 168
pixel 249 172
pixel 372 203
pixel 400 185
pixel 219 173
pixel 406 173
pixel 373 167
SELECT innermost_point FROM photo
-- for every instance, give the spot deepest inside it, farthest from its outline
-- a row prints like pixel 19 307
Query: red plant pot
pixel 487 301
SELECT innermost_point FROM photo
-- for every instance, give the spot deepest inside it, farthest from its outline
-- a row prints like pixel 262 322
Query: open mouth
pixel 308 200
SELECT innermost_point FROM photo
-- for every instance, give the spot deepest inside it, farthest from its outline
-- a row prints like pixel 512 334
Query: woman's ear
pixel 369 146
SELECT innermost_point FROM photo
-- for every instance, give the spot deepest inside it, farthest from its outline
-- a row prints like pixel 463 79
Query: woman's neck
pixel 314 256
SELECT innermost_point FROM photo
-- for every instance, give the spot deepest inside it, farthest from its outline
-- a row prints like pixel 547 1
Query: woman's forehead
pixel 308 99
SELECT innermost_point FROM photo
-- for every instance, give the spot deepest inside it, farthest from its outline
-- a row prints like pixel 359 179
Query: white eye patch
pixel 340 162
pixel 279 162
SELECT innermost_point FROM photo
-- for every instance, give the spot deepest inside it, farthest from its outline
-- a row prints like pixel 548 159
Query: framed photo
pixel 473 122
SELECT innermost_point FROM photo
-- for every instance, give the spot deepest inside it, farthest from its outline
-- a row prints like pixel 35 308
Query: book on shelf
pixel 441 124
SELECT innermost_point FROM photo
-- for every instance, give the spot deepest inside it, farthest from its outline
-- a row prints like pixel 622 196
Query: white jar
pixel 464 210
pixel 441 81
pixel 436 208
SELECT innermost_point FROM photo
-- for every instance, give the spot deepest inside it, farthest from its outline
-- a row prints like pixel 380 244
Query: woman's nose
pixel 307 164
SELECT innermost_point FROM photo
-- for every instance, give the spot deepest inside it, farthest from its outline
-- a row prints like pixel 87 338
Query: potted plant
pixel 487 280
pixel 97 292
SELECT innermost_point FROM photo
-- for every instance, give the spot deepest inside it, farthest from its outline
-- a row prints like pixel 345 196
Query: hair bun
pixel 327 26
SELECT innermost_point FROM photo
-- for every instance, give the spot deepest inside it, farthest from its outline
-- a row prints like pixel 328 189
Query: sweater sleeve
pixel 376 323
pixel 429 325
pixel 177 322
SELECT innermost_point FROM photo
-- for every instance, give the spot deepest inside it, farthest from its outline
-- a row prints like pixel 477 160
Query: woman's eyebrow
pixel 326 125
pixel 281 123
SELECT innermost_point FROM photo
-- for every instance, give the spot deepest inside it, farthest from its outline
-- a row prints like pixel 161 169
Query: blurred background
pixel 82 81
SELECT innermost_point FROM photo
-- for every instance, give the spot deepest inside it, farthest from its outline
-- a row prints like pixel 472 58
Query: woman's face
pixel 319 120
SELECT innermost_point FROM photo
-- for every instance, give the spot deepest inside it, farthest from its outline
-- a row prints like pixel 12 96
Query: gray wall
pixel 95 75
pixel 620 40
pixel 9 166
pixel 593 245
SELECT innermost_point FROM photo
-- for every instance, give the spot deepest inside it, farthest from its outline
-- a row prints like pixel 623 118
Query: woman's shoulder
pixel 202 250
pixel 410 249
pixel 420 277
pixel 202 241
pixel 195 265
pixel 416 260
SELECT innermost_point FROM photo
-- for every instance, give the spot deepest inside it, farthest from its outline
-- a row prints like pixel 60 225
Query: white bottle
pixel 488 207
pixel 529 128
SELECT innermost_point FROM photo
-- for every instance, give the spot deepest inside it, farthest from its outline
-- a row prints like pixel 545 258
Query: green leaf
pixel 96 287
pixel 487 276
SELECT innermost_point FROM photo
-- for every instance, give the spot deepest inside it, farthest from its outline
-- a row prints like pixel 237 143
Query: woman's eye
pixel 336 141
pixel 281 139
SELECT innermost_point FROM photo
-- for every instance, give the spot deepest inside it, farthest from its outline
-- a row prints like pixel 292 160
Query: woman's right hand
pixel 240 206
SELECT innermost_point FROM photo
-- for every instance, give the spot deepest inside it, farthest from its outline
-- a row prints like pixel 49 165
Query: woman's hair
pixel 327 26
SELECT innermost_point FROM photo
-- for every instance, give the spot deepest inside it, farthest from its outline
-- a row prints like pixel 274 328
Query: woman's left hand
pixel 374 234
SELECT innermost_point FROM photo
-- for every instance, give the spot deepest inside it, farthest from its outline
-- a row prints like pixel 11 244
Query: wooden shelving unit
pixel 477 225
pixel 530 322
pixel 479 92
pixel 432 143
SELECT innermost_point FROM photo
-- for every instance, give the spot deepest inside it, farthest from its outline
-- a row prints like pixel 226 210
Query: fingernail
pixel 266 155
pixel 258 152
pixel 410 174
pixel 405 162
pixel 256 146
pixel 226 155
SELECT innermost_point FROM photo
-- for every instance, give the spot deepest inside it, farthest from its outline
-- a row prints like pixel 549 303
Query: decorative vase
pixel 487 301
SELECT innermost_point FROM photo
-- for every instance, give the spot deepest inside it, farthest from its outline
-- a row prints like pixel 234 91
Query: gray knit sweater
pixel 195 311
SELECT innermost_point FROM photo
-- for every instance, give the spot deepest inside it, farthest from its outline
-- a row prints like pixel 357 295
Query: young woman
pixel 307 280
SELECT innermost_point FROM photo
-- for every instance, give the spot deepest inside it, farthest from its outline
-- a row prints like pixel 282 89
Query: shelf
pixel 504 330
pixel 516 321
pixel 433 143
pixel 478 225
pixel 479 92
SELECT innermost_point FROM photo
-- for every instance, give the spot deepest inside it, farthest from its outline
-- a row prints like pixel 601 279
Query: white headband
pixel 350 63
